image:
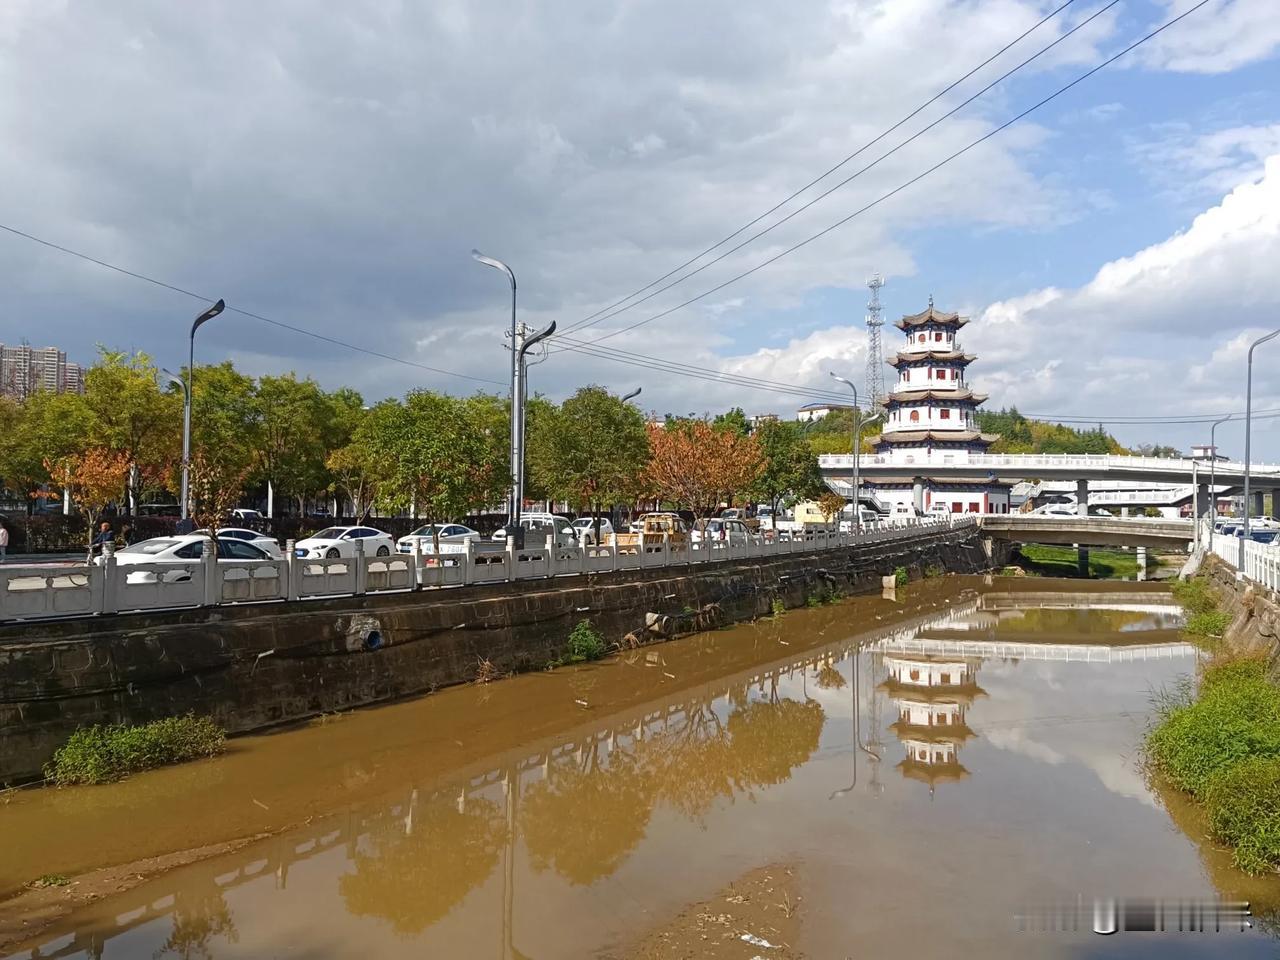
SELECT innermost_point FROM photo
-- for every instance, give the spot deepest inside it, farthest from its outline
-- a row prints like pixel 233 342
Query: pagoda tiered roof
pixel 931 315
pixel 950 356
pixel 911 396
pixel 953 436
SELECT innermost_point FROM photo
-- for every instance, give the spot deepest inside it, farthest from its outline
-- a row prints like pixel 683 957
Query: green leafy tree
pixel 433 451
pixel 734 420
pixel 131 415
pixel 592 450
pixel 44 426
pixel 295 418
pixel 790 466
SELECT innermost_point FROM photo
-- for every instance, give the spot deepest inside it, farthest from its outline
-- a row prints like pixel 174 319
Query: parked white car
pixel 334 542
pixel 245 515
pixel 586 529
pixel 717 530
pixel 538 525
pixel 449 534
pixel 181 550
pixel 260 540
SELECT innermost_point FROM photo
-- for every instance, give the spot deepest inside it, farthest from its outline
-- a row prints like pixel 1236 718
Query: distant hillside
pixel 1020 435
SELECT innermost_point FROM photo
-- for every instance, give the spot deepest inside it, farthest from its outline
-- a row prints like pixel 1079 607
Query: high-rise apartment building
pixel 25 369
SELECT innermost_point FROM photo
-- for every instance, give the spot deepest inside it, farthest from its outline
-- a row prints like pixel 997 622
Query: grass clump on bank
pixel 1204 619
pixel 900 576
pixel 1224 749
pixel 104 754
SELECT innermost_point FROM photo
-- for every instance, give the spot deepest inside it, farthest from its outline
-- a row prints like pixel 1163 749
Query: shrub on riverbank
pixel 1224 749
pixel 1204 619
pixel 103 754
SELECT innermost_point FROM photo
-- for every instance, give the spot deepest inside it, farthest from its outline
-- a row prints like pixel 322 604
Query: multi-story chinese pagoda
pixel 931 418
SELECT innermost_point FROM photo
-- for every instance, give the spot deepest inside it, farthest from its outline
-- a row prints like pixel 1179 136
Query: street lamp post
pixel 1248 418
pixel 1213 489
pixel 200 321
pixel 857 450
pixel 513 505
pixel 523 374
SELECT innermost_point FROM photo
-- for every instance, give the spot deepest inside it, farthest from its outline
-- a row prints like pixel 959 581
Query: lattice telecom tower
pixel 875 351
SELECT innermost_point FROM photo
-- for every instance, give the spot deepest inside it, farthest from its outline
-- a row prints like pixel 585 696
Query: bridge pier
pixel 1082 510
pixel 1142 563
pixel 1256 511
pixel 1204 501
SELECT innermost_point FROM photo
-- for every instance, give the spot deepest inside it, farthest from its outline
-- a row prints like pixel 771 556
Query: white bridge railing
pixel 1028 464
pixel 50 590
pixel 1261 560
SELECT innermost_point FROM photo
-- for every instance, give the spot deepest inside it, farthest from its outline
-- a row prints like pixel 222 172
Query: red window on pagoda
pixel 915 416
pixel 920 339
pixel 937 336
pixel 945 413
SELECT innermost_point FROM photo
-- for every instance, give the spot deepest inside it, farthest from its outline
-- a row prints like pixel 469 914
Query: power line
pixel 722 379
pixel 822 176
pixel 244 313
pixel 677 367
pixel 857 173
pixel 912 181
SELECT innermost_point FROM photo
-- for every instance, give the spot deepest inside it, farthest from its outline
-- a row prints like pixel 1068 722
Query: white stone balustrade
pixel 55 590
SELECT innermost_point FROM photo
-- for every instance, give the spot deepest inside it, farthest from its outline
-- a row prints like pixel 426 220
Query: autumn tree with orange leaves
pixel 698 466
pixel 95 478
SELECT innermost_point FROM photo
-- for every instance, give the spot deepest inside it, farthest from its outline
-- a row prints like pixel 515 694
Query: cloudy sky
pixel 331 170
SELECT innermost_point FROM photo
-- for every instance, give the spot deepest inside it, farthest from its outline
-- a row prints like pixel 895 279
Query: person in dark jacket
pixel 103 537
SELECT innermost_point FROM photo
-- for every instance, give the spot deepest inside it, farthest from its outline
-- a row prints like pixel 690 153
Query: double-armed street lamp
pixel 200 321
pixel 520 346
pixel 1248 423
pixel 513 505
pixel 858 422
pixel 632 395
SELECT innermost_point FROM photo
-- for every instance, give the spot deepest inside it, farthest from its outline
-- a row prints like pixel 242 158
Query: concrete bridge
pixel 1089 531
pixel 1228 475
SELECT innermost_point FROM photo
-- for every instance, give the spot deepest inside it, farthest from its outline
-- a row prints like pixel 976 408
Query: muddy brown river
pixel 953 772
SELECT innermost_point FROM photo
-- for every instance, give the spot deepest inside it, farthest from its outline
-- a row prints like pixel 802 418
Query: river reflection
pixel 909 755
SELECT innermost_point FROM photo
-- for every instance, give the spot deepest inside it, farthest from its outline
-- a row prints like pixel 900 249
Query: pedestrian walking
pixel 4 541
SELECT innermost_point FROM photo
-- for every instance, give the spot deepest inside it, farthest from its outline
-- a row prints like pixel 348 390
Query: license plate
pixel 299 552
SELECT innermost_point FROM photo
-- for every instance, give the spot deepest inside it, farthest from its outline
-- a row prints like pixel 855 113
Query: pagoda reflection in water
pixel 932 695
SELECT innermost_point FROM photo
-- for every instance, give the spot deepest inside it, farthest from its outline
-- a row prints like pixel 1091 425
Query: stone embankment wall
pixel 1254 610
pixel 257 666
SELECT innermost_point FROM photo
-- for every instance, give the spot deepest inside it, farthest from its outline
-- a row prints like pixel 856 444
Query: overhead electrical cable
pixel 910 182
pixel 830 170
pixel 233 309
pixel 853 176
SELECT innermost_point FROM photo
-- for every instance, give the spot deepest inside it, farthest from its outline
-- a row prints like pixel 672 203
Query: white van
pixel 903 511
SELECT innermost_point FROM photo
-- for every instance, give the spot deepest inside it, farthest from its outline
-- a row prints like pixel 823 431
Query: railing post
pixel 292 571
pixel 361 569
pixel 613 546
pixel 468 560
pixel 110 600
pixel 209 568
pixel 666 548
pixel 512 573
pixel 584 560
pixel 551 552
pixel 419 567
